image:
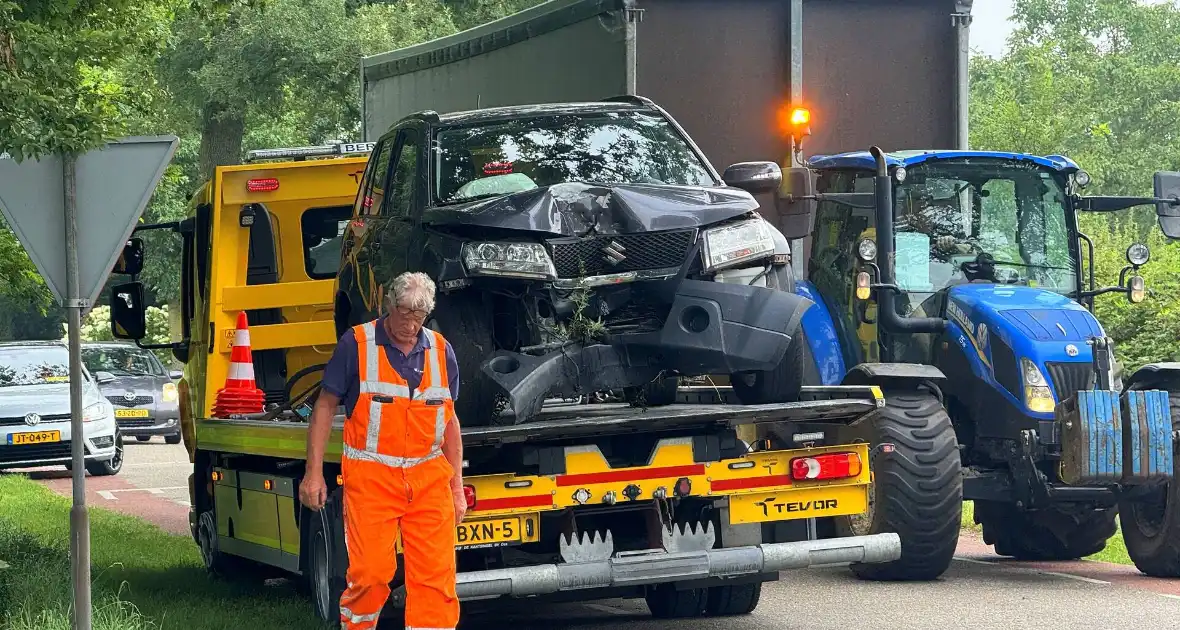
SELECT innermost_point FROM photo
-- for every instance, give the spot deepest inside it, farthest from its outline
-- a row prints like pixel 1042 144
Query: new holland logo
pixel 614 253
pixel 981 335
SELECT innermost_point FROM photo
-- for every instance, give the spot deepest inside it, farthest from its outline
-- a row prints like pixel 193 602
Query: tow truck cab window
pixel 323 231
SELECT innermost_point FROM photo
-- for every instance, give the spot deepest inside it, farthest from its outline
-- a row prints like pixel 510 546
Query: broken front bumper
pixel 711 328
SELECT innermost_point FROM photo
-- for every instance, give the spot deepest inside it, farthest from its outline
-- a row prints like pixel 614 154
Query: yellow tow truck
pixel 692 506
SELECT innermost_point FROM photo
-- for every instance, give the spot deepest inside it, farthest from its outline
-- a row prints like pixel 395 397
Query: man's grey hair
pixel 412 289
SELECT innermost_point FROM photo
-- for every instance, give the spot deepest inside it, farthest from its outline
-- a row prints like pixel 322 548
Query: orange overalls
pixel 395 477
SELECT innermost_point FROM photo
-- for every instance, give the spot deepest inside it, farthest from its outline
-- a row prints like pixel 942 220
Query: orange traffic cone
pixel 240 395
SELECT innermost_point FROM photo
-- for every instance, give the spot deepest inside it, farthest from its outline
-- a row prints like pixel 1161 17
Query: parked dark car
pixel 577 248
pixel 143 393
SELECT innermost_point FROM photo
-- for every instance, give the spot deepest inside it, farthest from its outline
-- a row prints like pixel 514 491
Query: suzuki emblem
pixel 614 252
pixel 32 419
pixel 1071 350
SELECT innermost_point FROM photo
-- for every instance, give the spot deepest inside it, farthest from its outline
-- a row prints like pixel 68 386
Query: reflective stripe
pixel 240 371
pixel 370 368
pixel 434 393
pixel 440 427
pixel 432 356
pixel 373 433
pixel 388 460
pixel 387 389
pixel 354 618
pixel 241 337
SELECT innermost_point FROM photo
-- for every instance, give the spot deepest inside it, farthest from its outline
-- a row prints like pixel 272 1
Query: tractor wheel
pixel 1151 523
pixel 1049 534
pixel 467 326
pixel 782 384
pixel 917 490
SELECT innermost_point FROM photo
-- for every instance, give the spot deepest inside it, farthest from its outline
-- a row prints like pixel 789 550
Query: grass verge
pixel 143 578
pixel 1115 551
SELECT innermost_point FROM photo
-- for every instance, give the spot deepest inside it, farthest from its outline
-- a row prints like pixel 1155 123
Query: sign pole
pixel 79 518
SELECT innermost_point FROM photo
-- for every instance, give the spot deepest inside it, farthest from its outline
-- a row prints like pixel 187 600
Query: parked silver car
pixel 143 391
pixel 35 410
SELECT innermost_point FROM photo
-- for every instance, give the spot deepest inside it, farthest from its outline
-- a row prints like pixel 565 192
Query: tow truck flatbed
pixel 286 435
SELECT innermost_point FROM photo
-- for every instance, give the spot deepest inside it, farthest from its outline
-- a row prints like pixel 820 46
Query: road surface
pixel 981 590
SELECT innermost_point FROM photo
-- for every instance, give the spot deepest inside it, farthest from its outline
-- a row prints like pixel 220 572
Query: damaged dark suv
pixel 577 248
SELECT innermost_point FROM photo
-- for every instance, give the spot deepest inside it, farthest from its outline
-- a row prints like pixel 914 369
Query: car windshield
pixel 121 361
pixel 526 153
pixel 34 366
pixel 964 220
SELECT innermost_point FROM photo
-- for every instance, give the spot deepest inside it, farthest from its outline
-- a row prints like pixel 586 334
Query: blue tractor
pixel 963 271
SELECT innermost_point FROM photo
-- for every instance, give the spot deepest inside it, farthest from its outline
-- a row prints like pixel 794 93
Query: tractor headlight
pixel 1037 395
pixel 731 245
pixel 521 260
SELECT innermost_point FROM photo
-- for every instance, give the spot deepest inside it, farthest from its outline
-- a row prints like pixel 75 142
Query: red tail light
pixel 262 185
pixel 469 494
pixel 829 466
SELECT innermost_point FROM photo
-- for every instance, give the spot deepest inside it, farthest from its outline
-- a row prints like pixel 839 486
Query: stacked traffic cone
pixel 241 395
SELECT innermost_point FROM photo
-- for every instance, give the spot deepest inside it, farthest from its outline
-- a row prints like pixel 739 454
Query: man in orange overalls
pixel 402 459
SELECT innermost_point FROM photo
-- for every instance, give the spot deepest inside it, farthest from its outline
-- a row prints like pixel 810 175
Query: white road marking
pixel 109 495
pixel 608 609
pixel 1036 570
pixel 1168 595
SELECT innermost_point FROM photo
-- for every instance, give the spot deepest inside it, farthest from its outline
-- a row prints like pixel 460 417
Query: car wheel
pixel 172 439
pixel 143 438
pixel 111 466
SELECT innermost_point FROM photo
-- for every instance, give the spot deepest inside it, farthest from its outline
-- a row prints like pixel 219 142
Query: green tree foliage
pixel 1096 80
pixel 97 327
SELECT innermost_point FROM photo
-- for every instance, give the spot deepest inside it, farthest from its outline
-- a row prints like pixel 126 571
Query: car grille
pixel 575 258
pixel 132 423
pixel 1068 378
pixel 25 452
pixel 642 314
pixel 20 420
pixel 123 402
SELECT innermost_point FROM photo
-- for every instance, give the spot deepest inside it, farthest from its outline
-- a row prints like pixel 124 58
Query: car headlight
pixel 170 394
pixel 97 411
pixel 732 245
pixel 1037 395
pixel 522 260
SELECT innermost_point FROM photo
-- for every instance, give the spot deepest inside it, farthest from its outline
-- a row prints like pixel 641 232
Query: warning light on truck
pixel 265 184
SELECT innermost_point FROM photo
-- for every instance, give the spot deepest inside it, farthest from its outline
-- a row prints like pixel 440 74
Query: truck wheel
pixel 782 384
pixel 740 599
pixel 1049 534
pixel 111 466
pixel 468 328
pixel 324 588
pixel 1151 523
pixel 917 491
pixel 665 601
pixel 216 562
pixel 657 393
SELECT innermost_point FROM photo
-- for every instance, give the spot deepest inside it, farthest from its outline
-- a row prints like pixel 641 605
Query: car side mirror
pixel 130 262
pixel 175 375
pixel 104 377
pixel 795 203
pixel 754 177
pixel 128 313
pixel 1167 186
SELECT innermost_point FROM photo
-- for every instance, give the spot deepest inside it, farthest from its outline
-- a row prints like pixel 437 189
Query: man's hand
pixel 460 501
pixel 313 492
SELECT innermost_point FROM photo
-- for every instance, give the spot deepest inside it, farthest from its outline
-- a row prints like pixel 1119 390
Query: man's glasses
pixel 417 314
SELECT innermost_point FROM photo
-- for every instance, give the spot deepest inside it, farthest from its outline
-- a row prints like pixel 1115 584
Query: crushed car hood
pixel 576 209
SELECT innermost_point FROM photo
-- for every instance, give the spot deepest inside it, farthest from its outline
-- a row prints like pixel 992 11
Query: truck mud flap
pixel 590 562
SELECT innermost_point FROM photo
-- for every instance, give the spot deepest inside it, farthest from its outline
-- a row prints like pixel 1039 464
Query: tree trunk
pixel 222 130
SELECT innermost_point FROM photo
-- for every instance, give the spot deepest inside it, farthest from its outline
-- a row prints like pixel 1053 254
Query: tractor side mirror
pixel 754 177
pixel 795 203
pixel 130 262
pixel 1167 186
pixel 128 313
